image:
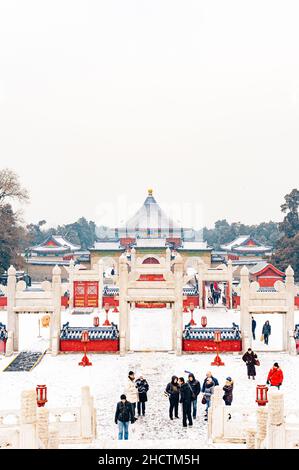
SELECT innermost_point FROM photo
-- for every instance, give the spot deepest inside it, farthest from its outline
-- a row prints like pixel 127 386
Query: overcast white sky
pixel 100 100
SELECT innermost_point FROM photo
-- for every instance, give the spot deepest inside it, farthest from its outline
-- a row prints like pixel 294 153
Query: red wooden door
pixel 86 294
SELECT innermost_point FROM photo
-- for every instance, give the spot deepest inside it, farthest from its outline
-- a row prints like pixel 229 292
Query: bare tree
pixel 10 187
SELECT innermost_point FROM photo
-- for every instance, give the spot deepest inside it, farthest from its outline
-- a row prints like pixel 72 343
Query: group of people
pixel 214 293
pixel 275 375
pixel 136 394
pixel 187 393
pixel 184 392
pixel 266 330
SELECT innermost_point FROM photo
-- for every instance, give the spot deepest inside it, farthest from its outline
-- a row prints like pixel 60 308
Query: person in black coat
pixel 250 359
pixel 142 387
pixel 266 331
pixel 228 391
pixel 253 327
pixel 185 399
pixel 123 415
pixel 195 386
pixel 173 393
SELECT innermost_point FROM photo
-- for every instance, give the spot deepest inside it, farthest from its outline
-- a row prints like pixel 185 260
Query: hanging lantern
pixel 204 321
pixel 261 395
pixel 41 395
pixel 45 321
pixel 96 321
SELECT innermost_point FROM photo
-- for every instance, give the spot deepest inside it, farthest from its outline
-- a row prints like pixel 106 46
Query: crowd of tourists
pixel 185 392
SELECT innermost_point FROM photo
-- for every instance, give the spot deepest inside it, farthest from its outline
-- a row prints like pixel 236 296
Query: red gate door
pixel 86 294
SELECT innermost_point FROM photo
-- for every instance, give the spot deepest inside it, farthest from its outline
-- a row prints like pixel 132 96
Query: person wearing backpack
pixel 195 388
pixel 123 415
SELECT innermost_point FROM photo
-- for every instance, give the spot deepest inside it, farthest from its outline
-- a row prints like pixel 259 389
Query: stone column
pixel 43 426
pixel 28 420
pixel 133 259
pixel 100 268
pixel 71 282
pixel 178 305
pixel 53 442
pixel 230 281
pixel 56 317
pixel 289 327
pixel 86 414
pixel 123 304
pixel 200 271
pixel 168 259
pixel 216 411
pixel 250 438
pixel 12 317
pixel 261 419
pixel 244 309
pixel 276 421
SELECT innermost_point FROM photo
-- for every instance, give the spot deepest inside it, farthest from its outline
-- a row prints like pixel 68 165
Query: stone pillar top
pixel 11 270
pixel 56 270
pixel 244 271
pixel 289 271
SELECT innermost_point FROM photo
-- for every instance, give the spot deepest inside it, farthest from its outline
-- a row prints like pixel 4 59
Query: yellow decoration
pixel 150 192
pixel 45 321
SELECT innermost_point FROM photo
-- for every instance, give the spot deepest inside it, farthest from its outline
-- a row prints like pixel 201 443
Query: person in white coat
pixel 132 392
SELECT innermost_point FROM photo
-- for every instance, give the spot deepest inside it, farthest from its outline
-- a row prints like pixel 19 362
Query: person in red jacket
pixel 275 376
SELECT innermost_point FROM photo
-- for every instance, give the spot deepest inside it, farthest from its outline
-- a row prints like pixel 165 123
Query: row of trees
pixel 15 237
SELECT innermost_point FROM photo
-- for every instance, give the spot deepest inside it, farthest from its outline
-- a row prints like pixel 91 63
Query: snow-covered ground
pixel 108 376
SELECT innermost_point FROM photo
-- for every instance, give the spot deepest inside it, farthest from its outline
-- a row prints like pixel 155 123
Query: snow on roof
pixel 150 215
pixel 258 267
pixel 195 246
pixel 106 246
pixel 251 248
pixel 236 242
pixel 150 243
pixel 62 241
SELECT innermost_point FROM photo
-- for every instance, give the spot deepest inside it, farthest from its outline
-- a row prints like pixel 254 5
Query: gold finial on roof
pixel 150 192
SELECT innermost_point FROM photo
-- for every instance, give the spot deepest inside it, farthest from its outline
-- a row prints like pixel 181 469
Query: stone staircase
pixel 25 361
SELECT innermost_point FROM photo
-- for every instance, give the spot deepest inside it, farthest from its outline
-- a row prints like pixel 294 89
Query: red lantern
pixel 41 395
pixel 204 321
pixel 217 339
pixel 192 322
pixel 107 322
pixel 84 340
pixel 261 395
pixel 96 321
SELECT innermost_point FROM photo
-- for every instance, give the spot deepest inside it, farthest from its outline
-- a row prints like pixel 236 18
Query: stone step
pixel 25 361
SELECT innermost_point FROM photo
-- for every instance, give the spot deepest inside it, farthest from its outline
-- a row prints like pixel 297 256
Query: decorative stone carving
pixel 21 286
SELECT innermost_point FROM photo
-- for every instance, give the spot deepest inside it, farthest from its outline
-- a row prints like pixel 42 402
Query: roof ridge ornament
pixel 150 192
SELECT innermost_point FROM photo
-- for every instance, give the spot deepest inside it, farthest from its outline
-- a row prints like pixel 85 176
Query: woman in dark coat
pixel 266 331
pixel 173 392
pixel 228 391
pixel 142 387
pixel 250 358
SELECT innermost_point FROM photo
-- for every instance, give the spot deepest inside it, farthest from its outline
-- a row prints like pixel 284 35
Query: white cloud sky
pixel 100 100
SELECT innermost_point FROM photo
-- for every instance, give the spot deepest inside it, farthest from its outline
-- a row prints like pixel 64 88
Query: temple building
pixel 244 248
pixel 55 250
pixel 150 231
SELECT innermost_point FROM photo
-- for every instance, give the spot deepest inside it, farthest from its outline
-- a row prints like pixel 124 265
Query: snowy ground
pixel 108 376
